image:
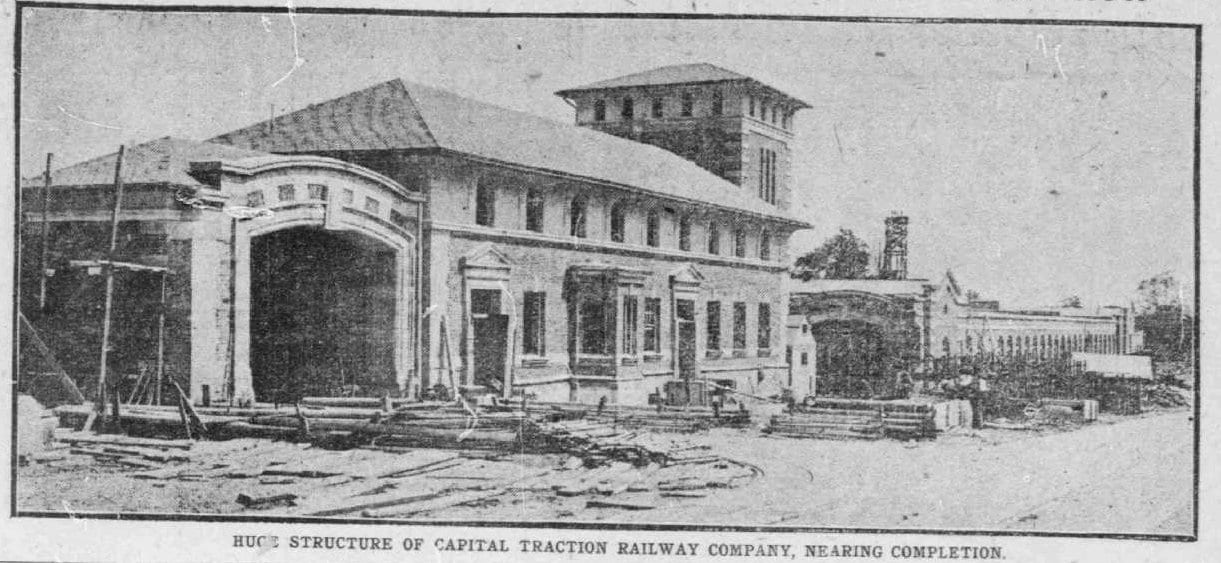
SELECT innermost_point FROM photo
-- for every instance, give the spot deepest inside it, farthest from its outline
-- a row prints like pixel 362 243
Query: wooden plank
pixel 619 503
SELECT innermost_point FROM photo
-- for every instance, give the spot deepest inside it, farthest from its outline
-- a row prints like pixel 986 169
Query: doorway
pixel 322 314
pixel 490 330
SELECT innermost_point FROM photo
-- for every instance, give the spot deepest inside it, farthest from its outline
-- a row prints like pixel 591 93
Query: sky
pixel 1035 162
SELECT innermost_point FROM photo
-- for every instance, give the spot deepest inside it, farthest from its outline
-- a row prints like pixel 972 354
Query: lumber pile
pixel 869 420
pixel 665 419
pixel 124 451
pixel 600 443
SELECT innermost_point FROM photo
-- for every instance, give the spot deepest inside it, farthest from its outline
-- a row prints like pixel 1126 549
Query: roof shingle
pixel 165 160
pixel 403 115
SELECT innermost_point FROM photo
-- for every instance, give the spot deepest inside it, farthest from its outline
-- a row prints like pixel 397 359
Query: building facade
pixel 401 238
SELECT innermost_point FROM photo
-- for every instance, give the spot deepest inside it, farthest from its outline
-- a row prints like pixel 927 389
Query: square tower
pixel 727 123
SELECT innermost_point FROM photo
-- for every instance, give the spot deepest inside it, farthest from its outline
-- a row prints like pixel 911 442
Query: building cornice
pixel 476 232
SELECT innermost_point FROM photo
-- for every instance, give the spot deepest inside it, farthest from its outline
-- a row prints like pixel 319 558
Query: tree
pixel 842 257
pixel 1072 301
pixel 1164 316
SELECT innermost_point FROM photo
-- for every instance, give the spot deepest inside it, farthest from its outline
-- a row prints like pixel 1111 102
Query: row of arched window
pixel 1039 345
pixel 578 221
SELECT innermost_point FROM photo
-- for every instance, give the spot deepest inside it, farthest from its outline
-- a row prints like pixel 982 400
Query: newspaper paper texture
pixel 610 281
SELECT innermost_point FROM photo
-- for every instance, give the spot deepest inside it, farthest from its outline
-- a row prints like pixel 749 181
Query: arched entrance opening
pixel 322 314
pixel 852 358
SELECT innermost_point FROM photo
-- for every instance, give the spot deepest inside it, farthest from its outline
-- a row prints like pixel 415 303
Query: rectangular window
pixel 398 219
pixel 658 111
pixel 765 325
pixel 349 197
pixel 739 326
pixel 534 210
pixel 593 316
pixel 714 239
pixel 688 106
pixel 684 234
pixel 767 175
pixel 576 217
pixel 765 245
pixel 653 229
pixel 287 192
pixel 485 205
pixel 718 102
pixel 599 110
pixel 714 326
pixel 534 323
pixel 372 205
pixel 630 316
pixel 752 106
pixel 254 199
pixel 628 109
pixel 317 191
pixel 739 243
pixel 652 324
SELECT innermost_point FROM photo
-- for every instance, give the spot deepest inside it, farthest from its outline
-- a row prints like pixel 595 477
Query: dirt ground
pixel 1129 475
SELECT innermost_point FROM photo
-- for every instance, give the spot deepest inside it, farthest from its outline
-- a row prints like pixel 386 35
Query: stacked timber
pixel 828 424
pixel 865 419
pixel 665 419
pixel 438 427
pixel 599 443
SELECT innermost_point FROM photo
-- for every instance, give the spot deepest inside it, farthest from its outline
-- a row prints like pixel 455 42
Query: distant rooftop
pixel 694 73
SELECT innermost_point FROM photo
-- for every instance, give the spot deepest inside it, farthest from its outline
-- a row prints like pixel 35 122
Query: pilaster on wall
pixel 210 304
pixel 441 306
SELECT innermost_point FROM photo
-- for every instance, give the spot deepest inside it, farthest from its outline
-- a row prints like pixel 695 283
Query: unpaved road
pixel 1130 475
pixel 1122 475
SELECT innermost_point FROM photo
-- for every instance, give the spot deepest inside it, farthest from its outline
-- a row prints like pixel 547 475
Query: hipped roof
pixel 401 115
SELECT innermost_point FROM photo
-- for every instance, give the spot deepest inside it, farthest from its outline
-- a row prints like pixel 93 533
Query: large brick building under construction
pixel 402 237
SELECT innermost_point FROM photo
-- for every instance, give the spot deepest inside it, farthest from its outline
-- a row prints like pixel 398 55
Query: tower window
pixel 287 192
pixel 535 204
pixel 688 104
pixel 599 110
pixel 628 109
pixel 658 111
pixel 767 175
pixel 718 101
pixel 317 191
pixel 652 235
pixel 752 106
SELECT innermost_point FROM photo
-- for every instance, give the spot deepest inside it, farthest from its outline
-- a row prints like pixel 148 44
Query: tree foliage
pixel 1072 301
pixel 1165 317
pixel 842 257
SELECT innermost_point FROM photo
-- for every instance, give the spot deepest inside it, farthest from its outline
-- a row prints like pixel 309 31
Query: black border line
pixel 14 513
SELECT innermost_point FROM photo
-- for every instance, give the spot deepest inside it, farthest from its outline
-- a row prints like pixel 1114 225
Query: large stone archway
pixel 863 338
pixel 304 200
